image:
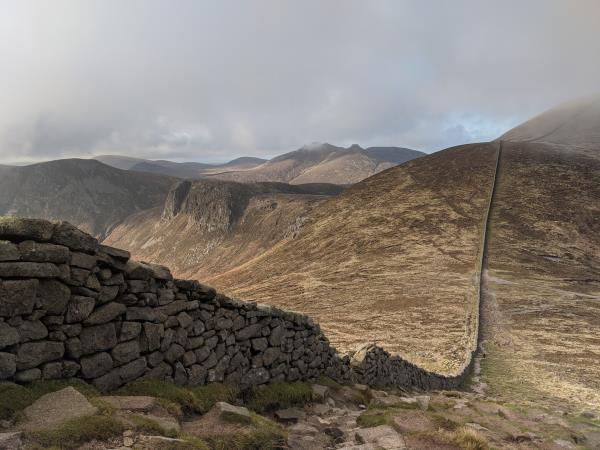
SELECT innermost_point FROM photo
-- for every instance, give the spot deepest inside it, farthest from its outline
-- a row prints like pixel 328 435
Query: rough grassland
pixel 543 285
pixel 391 260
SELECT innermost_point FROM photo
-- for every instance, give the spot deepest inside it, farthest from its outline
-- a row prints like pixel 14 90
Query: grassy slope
pixel 544 290
pixel 390 260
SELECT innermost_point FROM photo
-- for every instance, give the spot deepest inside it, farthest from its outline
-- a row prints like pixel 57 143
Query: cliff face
pixel 70 307
pixel 210 226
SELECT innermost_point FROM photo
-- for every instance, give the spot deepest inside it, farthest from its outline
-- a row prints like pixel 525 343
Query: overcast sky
pixel 212 80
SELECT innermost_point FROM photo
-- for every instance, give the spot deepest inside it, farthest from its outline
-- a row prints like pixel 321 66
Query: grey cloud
pixel 204 80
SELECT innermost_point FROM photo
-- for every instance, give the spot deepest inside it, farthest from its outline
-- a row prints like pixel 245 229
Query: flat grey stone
pixel 42 252
pixel 53 409
pixel 21 228
pixel 230 412
pixel 28 270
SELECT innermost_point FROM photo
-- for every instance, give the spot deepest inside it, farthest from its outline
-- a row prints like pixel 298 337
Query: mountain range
pixel 393 256
pixel 315 163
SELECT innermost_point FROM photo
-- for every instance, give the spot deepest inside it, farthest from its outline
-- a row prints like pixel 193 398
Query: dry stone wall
pixel 73 308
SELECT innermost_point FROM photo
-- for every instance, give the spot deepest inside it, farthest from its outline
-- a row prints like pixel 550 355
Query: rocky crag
pixel 72 308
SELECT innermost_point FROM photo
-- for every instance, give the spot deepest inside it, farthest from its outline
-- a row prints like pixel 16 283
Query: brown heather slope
pixel 210 226
pixel 392 259
pixel 542 315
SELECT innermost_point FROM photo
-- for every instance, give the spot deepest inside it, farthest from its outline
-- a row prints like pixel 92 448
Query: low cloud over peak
pixel 209 81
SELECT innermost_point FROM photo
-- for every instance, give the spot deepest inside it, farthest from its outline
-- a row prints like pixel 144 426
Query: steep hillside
pixel 87 193
pixel 393 259
pixel 320 163
pixel 210 226
pixel 573 124
pixel 543 283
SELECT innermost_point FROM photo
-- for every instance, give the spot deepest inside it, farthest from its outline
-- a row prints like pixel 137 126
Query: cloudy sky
pixel 212 80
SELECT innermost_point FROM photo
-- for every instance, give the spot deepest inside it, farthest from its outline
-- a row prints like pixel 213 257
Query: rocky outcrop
pixel 70 307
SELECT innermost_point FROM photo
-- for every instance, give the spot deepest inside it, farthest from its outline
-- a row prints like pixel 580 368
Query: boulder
pixel 32 354
pixel 72 237
pixel 134 403
pixel 17 297
pixel 53 409
pixel 383 436
pixel 23 229
pixel 231 413
pixel 28 270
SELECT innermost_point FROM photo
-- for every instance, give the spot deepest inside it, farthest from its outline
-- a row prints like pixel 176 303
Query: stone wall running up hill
pixel 70 307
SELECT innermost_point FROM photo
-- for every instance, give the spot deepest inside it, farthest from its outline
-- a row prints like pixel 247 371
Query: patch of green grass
pixel 210 394
pixel 329 382
pixel 164 390
pixel 444 423
pixel 172 408
pixel 13 399
pixel 278 395
pixel 147 425
pixel 468 439
pixel 77 432
pixel 190 443
pixel 373 418
pixel 262 434
pixel 361 398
